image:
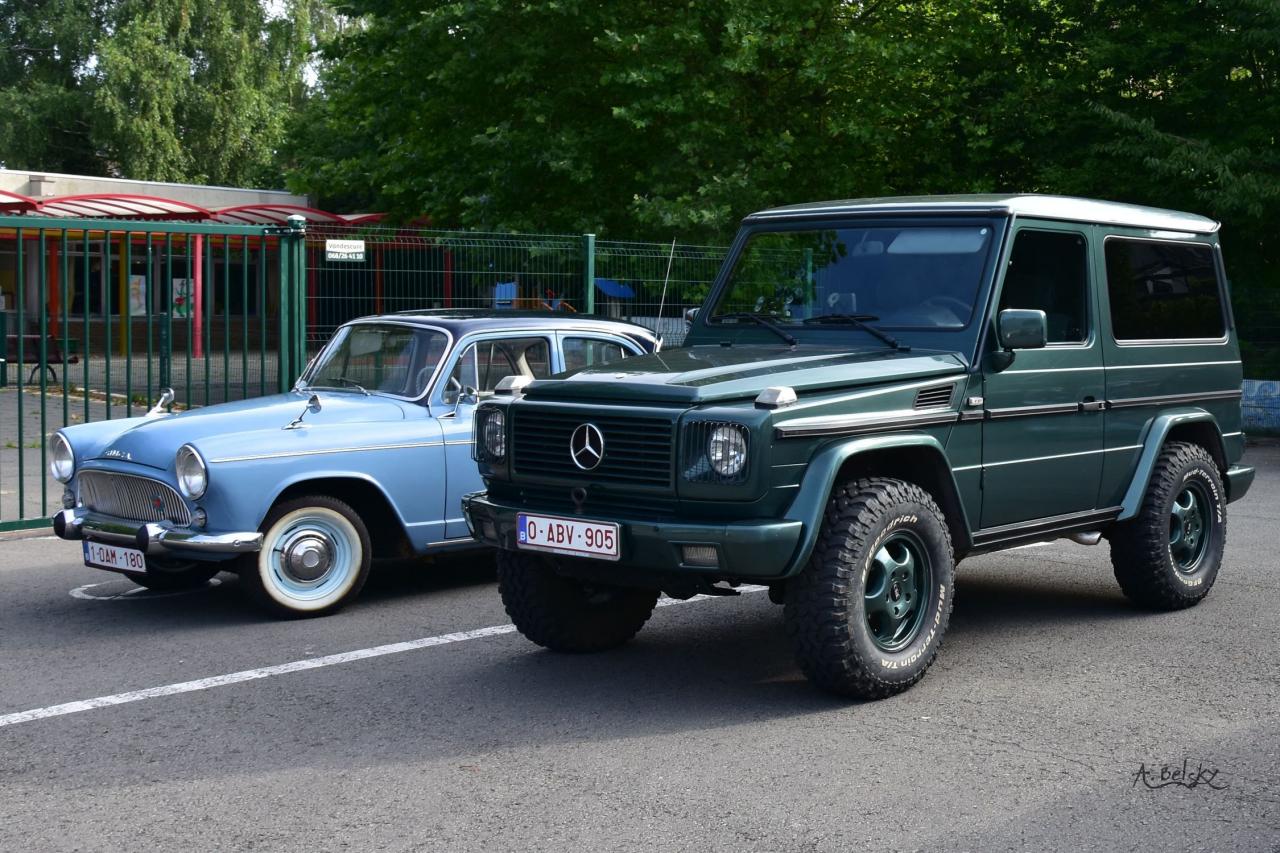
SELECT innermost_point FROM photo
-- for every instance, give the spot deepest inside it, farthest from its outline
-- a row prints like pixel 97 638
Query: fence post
pixel 166 351
pixel 4 348
pixel 589 272
pixel 293 275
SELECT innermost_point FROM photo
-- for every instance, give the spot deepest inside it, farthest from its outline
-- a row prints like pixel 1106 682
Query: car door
pixel 1042 443
pixel 479 364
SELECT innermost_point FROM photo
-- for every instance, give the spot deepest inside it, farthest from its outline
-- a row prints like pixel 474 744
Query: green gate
pixel 96 316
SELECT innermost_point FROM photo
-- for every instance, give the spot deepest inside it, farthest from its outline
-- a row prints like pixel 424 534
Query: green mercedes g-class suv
pixel 874 390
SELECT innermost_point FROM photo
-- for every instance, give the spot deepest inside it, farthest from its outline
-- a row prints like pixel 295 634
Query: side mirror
pixel 689 315
pixel 1022 328
pixel 467 395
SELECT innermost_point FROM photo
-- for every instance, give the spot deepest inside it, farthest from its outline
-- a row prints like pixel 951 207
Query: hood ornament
pixel 313 405
pixel 162 404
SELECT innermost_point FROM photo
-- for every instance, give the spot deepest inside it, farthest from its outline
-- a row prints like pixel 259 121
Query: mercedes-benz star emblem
pixel 586 446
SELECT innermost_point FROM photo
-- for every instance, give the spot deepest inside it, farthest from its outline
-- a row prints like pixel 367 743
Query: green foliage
pixel 170 90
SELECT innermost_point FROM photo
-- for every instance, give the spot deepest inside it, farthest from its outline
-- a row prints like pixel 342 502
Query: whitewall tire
pixel 314 559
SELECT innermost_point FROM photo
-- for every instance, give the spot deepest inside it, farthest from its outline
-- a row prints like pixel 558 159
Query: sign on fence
pixel 344 250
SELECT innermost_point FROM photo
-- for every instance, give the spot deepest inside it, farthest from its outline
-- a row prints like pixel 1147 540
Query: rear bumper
pixel 748 550
pixel 155 537
pixel 1239 479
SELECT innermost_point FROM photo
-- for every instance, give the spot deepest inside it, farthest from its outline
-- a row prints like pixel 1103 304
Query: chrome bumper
pixel 153 537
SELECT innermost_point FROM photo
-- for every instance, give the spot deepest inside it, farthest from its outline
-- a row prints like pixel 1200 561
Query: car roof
pixel 460 321
pixel 1030 205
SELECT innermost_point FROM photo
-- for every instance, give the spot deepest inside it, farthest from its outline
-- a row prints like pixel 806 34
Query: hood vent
pixel 937 397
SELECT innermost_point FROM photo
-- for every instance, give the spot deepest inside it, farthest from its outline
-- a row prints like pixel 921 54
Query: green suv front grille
pixel 636 451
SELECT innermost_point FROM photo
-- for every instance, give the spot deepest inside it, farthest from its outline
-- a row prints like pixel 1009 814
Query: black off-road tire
pixel 826 612
pixel 1141 550
pixel 172 576
pixel 567 615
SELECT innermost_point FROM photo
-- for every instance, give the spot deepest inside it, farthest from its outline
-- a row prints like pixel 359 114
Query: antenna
pixel 663 301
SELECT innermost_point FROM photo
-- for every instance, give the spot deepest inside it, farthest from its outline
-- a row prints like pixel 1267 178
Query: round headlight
pixel 193 476
pixel 494 435
pixel 63 463
pixel 727 450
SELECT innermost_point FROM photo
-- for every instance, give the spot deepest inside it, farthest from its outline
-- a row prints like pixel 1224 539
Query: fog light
pixel 699 555
pixel 490 532
pixel 199 518
pixel 68 499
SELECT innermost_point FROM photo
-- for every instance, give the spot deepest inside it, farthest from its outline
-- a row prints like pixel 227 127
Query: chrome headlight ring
pixel 193 474
pixel 62 467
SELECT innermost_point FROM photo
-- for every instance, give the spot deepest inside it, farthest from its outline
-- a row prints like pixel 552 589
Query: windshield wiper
pixel 760 321
pixel 859 321
pixel 343 381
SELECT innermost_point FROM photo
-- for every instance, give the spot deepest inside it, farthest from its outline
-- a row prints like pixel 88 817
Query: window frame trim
pixel 1219 275
pixel 1092 316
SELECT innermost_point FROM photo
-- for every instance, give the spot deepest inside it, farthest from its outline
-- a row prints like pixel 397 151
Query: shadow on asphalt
pixel 702 670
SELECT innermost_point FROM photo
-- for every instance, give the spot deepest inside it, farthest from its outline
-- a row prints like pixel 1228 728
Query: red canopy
pixel 121 206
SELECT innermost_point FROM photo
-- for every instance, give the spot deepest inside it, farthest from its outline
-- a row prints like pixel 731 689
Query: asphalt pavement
pixel 1056 717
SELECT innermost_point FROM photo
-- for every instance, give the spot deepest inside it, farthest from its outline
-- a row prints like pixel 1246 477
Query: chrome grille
pixel 134 498
pixel 637 450
pixel 935 397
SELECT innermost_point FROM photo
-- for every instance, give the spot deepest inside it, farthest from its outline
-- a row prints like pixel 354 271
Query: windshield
pixel 923 276
pixel 378 359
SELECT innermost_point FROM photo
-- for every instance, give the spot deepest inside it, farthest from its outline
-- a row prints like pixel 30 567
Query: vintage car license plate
pixel 102 556
pixel 567 536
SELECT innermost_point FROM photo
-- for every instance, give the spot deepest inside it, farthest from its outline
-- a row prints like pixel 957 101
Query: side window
pixel 1160 291
pixel 486 363
pixel 588 352
pixel 1049 270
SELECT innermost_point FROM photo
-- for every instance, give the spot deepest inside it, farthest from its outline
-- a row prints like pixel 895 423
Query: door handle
pixel 1088 404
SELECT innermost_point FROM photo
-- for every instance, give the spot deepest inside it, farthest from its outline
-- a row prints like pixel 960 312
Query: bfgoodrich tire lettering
pixel 866 617
pixel 1167 557
pixel 315 557
pixel 567 615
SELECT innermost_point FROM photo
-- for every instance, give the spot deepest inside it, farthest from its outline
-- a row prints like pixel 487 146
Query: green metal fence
pixel 99 315
pixel 405 269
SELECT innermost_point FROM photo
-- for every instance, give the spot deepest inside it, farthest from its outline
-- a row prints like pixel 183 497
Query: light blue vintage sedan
pixel 368 456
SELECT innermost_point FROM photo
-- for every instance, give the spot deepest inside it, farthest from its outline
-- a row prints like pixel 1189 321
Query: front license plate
pixel 101 556
pixel 567 536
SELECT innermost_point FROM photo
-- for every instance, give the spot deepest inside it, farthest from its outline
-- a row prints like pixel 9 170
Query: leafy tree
pixel 46 54
pixel 171 90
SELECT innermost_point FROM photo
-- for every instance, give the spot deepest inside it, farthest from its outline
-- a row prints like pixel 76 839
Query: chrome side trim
pixel 1162 399
pixel 1172 364
pixel 288 453
pixel 1031 411
pixel 858 424
pixel 1047 458
pixel 1061 456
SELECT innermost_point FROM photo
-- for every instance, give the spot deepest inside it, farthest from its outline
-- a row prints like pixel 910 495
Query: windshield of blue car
pixel 378 359
pixel 923 276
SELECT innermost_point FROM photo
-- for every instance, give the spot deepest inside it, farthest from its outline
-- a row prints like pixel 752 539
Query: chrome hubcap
pixel 308 556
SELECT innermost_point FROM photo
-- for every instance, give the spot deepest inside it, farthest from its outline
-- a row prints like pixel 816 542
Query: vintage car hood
pixel 154 441
pixel 713 373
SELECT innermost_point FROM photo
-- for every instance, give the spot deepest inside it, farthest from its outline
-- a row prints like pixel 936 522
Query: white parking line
pixel 283 669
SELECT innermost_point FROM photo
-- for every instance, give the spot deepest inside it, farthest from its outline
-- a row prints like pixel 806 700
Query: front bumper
pixel 154 537
pixel 748 550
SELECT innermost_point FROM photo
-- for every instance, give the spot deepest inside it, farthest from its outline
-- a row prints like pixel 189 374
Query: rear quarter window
pixel 1163 290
